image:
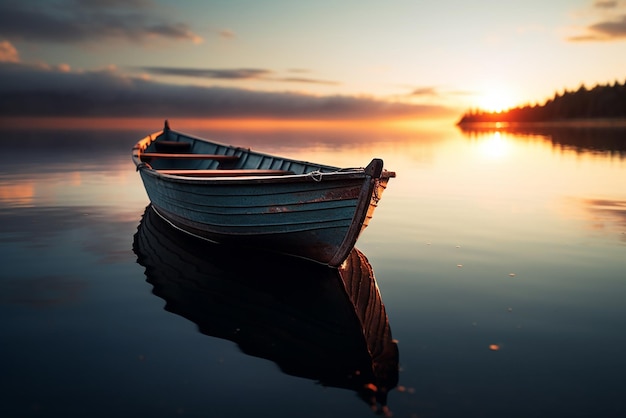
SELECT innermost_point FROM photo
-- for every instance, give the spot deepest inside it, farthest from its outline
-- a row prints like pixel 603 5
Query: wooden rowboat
pixel 320 323
pixel 233 195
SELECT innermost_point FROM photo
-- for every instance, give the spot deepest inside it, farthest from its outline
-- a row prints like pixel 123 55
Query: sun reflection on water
pixel 494 146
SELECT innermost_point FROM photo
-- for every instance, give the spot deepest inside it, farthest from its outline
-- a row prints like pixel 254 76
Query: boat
pixel 233 195
pixel 324 324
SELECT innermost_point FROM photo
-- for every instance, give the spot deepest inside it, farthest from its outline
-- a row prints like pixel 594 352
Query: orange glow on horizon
pixel 75 178
pixel 20 193
pixel 152 123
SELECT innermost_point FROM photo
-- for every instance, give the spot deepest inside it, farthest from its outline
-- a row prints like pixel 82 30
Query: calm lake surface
pixel 500 258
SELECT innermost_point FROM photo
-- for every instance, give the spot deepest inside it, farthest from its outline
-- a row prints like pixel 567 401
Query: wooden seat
pixel 216 157
pixel 226 173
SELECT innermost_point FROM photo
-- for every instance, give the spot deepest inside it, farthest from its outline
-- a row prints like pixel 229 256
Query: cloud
pixel 609 17
pixel 231 74
pixel 73 21
pixel 28 90
pixel 609 4
pixel 432 94
pixel 609 30
pixel 227 34
pixel 306 80
pixel 8 53
pixel 424 91
pixel 64 68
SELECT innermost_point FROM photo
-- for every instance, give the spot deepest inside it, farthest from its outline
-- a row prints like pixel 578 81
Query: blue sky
pixel 317 59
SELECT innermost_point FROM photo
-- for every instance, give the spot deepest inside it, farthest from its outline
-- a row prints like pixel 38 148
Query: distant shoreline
pixel 604 106
pixel 570 123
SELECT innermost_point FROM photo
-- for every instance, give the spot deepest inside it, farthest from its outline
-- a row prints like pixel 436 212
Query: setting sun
pixel 496 99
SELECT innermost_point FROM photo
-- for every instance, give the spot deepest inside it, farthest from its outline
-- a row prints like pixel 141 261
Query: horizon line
pixel 244 123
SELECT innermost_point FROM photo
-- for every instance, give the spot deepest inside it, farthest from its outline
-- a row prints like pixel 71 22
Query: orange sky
pixel 282 60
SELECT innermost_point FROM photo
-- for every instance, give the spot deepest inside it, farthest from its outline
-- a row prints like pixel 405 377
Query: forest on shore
pixel 601 102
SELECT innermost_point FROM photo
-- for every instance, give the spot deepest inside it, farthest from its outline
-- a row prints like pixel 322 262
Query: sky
pixel 301 60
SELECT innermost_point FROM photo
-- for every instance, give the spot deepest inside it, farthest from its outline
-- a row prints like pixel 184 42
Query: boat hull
pixel 317 215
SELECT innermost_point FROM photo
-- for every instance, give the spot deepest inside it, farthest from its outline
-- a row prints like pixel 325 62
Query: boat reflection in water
pixel 324 324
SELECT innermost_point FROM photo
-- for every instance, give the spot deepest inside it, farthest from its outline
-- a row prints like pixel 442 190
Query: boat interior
pixel 174 153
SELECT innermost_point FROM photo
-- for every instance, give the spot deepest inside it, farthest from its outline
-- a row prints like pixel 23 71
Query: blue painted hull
pixel 315 212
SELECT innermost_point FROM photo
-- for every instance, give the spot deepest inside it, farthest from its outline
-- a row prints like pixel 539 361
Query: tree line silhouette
pixel 601 102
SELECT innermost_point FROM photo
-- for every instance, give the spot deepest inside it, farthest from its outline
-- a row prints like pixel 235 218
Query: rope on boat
pixel 316 175
pixel 376 196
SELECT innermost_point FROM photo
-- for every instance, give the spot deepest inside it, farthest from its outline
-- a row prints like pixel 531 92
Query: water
pixel 500 258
